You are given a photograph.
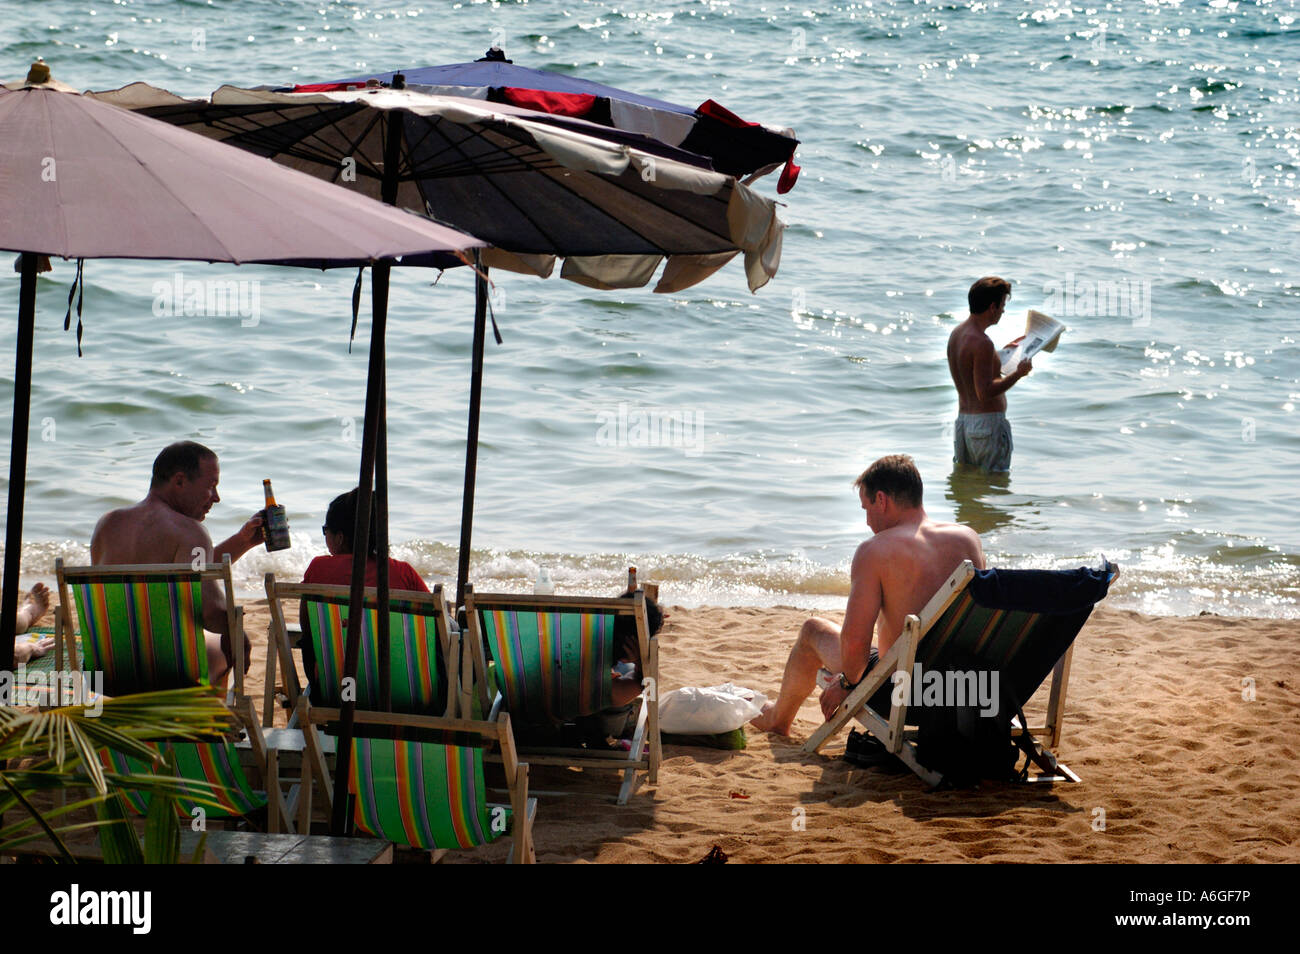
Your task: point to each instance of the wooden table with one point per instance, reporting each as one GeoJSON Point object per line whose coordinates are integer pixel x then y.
{"type": "Point", "coordinates": [237, 847]}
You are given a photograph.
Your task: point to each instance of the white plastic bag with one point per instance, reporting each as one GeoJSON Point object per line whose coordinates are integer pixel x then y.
{"type": "Point", "coordinates": [708, 711]}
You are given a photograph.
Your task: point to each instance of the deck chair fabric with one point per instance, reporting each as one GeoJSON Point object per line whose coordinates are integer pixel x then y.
{"type": "Point", "coordinates": [419, 645]}
{"type": "Point", "coordinates": [551, 666]}
{"type": "Point", "coordinates": [552, 658]}
{"type": "Point", "coordinates": [143, 627]}
{"type": "Point", "coordinates": [426, 794]}
{"type": "Point", "coordinates": [1021, 623]}
{"type": "Point", "coordinates": [392, 778]}
{"type": "Point", "coordinates": [143, 631]}
{"type": "Point", "coordinates": [227, 793]}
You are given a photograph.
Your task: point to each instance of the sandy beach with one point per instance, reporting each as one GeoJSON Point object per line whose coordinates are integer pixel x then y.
{"type": "Point", "coordinates": [1178, 762]}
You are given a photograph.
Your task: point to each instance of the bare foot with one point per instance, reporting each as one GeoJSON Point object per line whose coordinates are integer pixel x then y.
{"type": "Point", "coordinates": [28, 649]}
{"type": "Point", "coordinates": [36, 605]}
{"type": "Point", "coordinates": [766, 721]}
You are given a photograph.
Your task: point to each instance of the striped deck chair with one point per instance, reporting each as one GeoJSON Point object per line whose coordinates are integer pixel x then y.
{"type": "Point", "coordinates": [421, 680]}
{"type": "Point", "coordinates": [1021, 623]}
{"type": "Point", "coordinates": [217, 763]}
{"type": "Point", "coordinates": [431, 795]}
{"type": "Point", "coordinates": [142, 627]}
{"type": "Point", "coordinates": [419, 643]}
{"type": "Point", "coordinates": [553, 658]}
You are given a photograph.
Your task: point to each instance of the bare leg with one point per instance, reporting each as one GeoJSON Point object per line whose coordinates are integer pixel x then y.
{"type": "Point", "coordinates": [34, 607]}
{"type": "Point", "coordinates": [624, 691]}
{"type": "Point", "coordinates": [218, 665]}
{"type": "Point", "coordinates": [818, 645]}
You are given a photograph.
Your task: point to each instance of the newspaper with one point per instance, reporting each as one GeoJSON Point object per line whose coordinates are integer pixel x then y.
{"type": "Point", "coordinates": [1042, 333]}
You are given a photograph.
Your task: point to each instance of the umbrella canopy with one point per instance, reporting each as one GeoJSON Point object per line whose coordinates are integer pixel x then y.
{"type": "Point", "coordinates": [734, 146]}
{"type": "Point", "coordinates": [534, 190]}
{"type": "Point", "coordinates": [83, 179]}
{"type": "Point", "coordinates": [80, 178]}
{"type": "Point", "coordinates": [613, 204]}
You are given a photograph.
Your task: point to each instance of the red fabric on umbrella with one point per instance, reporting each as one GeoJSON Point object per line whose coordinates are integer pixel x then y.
{"type": "Point", "coordinates": [559, 104]}
{"type": "Point", "coordinates": [789, 172]}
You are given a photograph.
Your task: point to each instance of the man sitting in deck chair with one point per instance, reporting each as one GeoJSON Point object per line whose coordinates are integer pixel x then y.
{"type": "Point", "coordinates": [893, 575]}
{"type": "Point", "coordinates": [167, 527]}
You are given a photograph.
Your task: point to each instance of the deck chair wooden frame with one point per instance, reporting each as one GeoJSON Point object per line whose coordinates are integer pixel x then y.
{"type": "Point", "coordinates": [646, 751]}
{"type": "Point", "coordinates": [496, 732]}
{"type": "Point", "coordinates": [282, 651]}
{"type": "Point", "coordinates": [265, 761]}
{"type": "Point", "coordinates": [898, 737]}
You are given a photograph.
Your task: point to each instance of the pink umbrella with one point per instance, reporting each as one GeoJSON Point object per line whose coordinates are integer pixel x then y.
{"type": "Point", "coordinates": [83, 179]}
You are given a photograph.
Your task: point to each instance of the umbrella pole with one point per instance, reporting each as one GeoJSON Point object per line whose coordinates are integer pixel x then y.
{"type": "Point", "coordinates": [381, 539]}
{"type": "Point", "coordinates": [361, 541]}
{"type": "Point", "coordinates": [18, 459]}
{"type": "Point", "coordinates": [471, 439]}
{"type": "Point", "coordinates": [379, 303]}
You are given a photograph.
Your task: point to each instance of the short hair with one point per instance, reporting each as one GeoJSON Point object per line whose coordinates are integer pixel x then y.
{"type": "Point", "coordinates": [341, 517]}
{"type": "Point", "coordinates": [183, 457]}
{"type": "Point", "coordinates": [897, 476]}
{"type": "Point", "coordinates": [987, 292]}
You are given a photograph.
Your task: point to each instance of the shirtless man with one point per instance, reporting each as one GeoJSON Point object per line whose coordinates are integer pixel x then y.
{"type": "Point", "coordinates": [166, 527]}
{"type": "Point", "coordinates": [982, 436]}
{"type": "Point", "coordinates": [893, 575]}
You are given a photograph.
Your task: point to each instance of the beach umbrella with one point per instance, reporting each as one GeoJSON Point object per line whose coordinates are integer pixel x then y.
{"type": "Point", "coordinates": [733, 146]}
{"type": "Point", "coordinates": [614, 205]}
{"type": "Point", "coordinates": [84, 179]}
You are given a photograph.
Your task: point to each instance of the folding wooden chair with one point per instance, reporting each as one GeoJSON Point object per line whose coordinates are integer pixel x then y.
{"type": "Point", "coordinates": [553, 658]}
{"type": "Point", "coordinates": [142, 627]}
{"type": "Point", "coordinates": [1021, 623]}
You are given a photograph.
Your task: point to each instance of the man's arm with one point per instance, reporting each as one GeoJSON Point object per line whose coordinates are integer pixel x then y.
{"type": "Point", "coordinates": [865, 599]}
{"type": "Point", "coordinates": [989, 380]}
{"type": "Point", "coordinates": [241, 541]}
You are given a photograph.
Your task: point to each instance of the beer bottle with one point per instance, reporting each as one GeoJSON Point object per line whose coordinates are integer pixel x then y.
{"type": "Point", "coordinates": [275, 521]}
{"type": "Point", "coordinates": [631, 579]}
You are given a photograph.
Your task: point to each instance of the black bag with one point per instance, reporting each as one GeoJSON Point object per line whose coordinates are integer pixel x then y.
{"type": "Point", "coordinates": [961, 742]}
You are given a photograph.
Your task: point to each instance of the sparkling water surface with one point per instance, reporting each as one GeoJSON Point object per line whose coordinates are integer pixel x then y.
{"type": "Point", "coordinates": [1130, 167]}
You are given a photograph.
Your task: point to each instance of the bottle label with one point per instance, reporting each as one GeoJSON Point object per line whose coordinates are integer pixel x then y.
{"type": "Point", "coordinates": [275, 527]}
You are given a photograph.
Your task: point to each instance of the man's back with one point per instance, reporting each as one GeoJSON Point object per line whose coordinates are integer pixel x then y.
{"type": "Point", "coordinates": [912, 560]}
{"type": "Point", "coordinates": [148, 532]}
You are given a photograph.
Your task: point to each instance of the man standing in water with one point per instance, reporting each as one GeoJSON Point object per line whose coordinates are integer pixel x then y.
{"type": "Point", "coordinates": [167, 527]}
{"type": "Point", "coordinates": [893, 575]}
{"type": "Point", "coordinates": [982, 436]}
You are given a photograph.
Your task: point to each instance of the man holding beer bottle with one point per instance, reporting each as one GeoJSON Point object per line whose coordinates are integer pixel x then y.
{"type": "Point", "coordinates": [167, 527]}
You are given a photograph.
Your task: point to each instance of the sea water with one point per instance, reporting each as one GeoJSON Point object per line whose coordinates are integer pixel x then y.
{"type": "Point", "coordinates": [1130, 167]}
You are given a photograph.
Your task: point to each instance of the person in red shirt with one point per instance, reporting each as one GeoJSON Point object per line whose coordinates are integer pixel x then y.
{"type": "Point", "coordinates": [336, 568]}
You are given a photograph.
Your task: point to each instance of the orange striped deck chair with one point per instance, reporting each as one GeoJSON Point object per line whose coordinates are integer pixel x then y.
{"type": "Point", "coordinates": [142, 627]}
{"type": "Point", "coordinates": [553, 657]}
{"type": "Point", "coordinates": [1020, 623]}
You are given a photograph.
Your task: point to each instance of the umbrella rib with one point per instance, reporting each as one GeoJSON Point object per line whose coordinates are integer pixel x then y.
{"type": "Point", "coordinates": [480, 134]}
{"type": "Point", "coordinates": [322, 154]}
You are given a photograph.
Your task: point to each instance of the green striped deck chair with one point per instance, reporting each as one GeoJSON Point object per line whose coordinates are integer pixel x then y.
{"type": "Point", "coordinates": [431, 795]}
{"type": "Point", "coordinates": [142, 626]}
{"type": "Point", "coordinates": [1020, 623]}
{"type": "Point", "coordinates": [552, 660]}
{"type": "Point", "coordinates": [143, 629]}
{"type": "Point", "coordinates": [419, 647]}
{"type": "Point", "coordinates": [227, 793]}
